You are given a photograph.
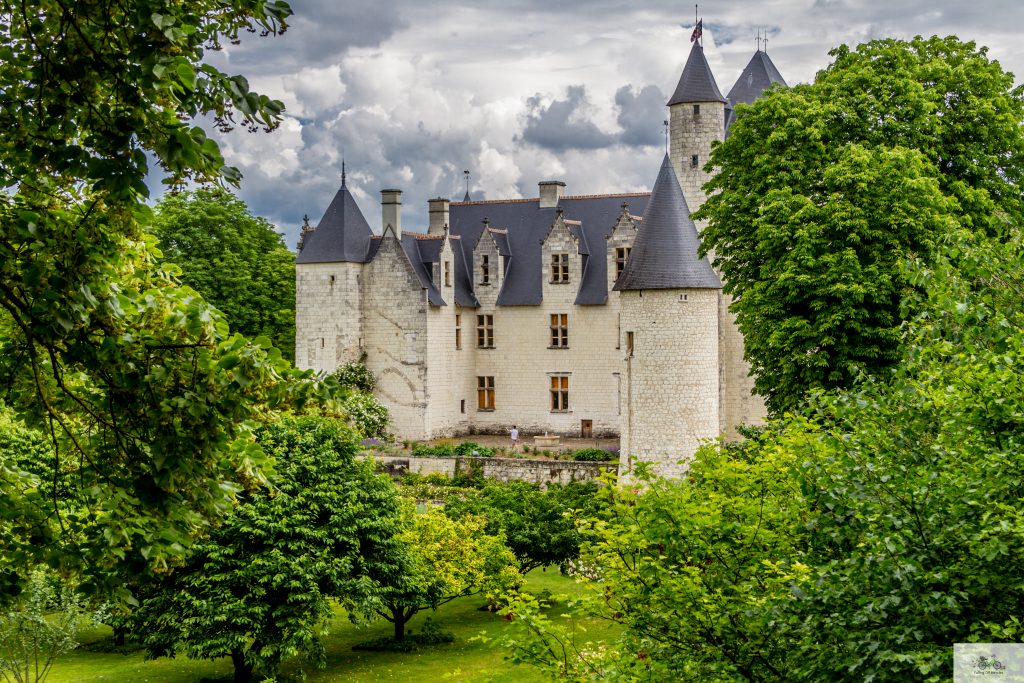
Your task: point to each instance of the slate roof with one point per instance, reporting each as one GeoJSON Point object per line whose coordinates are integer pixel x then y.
{"type": "Point", "coordinates": [664, 254]}
{"type": "Point", "coordinates": [423, 252]}
{"type": "Point", "coordinates": [343, 235]}
{"type": "Point", "coordinates": [697, 84]}
{"type": "Point", "coordinates": [526, 224]}
{"type": "Point", "coordinates": [757, 76]}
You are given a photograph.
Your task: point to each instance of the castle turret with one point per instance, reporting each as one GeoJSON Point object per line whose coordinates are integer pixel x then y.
{"type": "Point", "coordinates": [328, 324]}
{"type": "Point", "coordinates": [669, 312]}
{"type": "Point", "coordinates": [697, 118]}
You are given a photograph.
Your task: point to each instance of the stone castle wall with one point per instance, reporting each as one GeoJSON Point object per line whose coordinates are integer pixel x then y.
{"type": "Point", "coordinates": [395, 341]}
{"type": "Point", "coordinates": [328, 322]}
{"type": "Point", "coordinates": [541, 472]}
{"type": "Point", "coordinates": [692, 134]}
{"type": "Point", "coordinates": [671, 378]}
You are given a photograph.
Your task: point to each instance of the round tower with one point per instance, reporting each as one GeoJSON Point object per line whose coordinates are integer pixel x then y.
{"type": "Point", "coordinates": [669, 299]}
{"type": "Point", "coordinates": [697, 112]}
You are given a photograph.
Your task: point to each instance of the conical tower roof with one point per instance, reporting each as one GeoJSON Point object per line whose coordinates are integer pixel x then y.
{"type": "Point", "coordinates": [664, 254]}
{"type": "Point", "coordinates": [343, 235]}
{"type": "Point", "coordinates": [757, 76]}
{"type": "Point", "coordinates": [697, 84]}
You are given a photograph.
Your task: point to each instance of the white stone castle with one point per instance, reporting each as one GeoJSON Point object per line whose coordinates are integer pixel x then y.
{"type": "Point", "coordinates": [572, 315]}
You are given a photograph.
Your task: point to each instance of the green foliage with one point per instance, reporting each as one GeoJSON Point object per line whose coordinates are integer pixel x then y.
{"type": "Point", "coordinates": [258, 589]}
{"type": "Point", "coordinates": [238, 262]}
{"type": "Point", "coordinates": [446, 559]}
{"type": "Point", "coordinates": [823, 190]}
{"type": "Point", "coordinates": [464, 449]}
{"type": "Point", "coordinates": [859, 541]}
{"type": "Point", "coordinates": [593, 455]}
{"type": "Point", "coordinates": [540, 527]}
{"type": "Point", "coordinates": [148, 402]}
{"type": "Point", "coordinates": [356, 376]}
{"type": "Point", "coordinates": [368, 415]}
{"type": "Point", "coordinates": [40, 628]}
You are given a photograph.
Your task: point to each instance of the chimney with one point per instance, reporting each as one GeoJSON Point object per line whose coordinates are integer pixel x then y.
{"type": "Point", "coordinates": [391, 211]}
{"type": "Point", "coordinates": [550, 192]}
{"type": "Point", "coordinates": [438, 215]}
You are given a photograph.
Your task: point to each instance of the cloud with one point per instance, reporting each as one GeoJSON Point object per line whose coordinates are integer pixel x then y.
{"type": "Point", "coordinates": [519, 91]}
{"type": "Point", "coordinates": [563, 124]}
{"type": "Point", "coordinates": [641, 114]}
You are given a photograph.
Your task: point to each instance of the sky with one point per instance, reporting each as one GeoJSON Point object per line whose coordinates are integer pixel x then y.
{"type": "Point", "coordinates": [411, 93]}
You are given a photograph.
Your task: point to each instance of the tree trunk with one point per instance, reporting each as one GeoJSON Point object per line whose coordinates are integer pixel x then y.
{"type": "Point", "coordinates": [400, 618]}
{"type": "Point", "coordinates": [243, 671]}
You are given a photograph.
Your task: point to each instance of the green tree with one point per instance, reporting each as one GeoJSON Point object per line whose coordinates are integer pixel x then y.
{"type": "Point", "coordinates": [446, 559]}
{"type": "Point", "coordinates": [823, 190]}
{"type": "Point", "coordinates": [238, 262]}
{"type": "Point", "coordinates": [540, 527]}
{"type": "Point", "coordinates": [135, 380]}
{"type": "Point", "coordinates": [258, 589]}
{"type": "Point", "coordinates": [41, 627]}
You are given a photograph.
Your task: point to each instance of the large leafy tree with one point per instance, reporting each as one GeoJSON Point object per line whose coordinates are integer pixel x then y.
{"type": "Point", "coordinates": [822, 191]}
{"type": "Point", "coordinates": [147, 401]}
{"type": "Point", "coordinates": [237, 261]}
{"type": "Point", "coordinates": [258, 589]}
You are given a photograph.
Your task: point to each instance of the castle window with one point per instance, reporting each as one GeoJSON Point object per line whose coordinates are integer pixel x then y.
{"type": "Point", "coordinates": [694, 161]}
{"type": "Point", "coordinates": [629, 344]}
{"type": "Point", "coordinates": [485, 270]}
{"type": "Point", "coordinates": [458, 330]}
{"type": "Point", "coordinates": [559, 393]}
{"type": "Point", "coordinates": [447, 273]}
{"type": "Point", "coordinates": [621, 256]}
{"type": "Point", "coordinates": [559, 331]}
{"type": "Point", "coordinates": [696, 110]}
{"type": "Point", "coordinates": [559, 268]}
{"type": "Point", "coordinates": [485, 331]}
{"type": "Point", "coordinates": [485, 393]}
{"type": "Point", "coordinates": [462, 406]}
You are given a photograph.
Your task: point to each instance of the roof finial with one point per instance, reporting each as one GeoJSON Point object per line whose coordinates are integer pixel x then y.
{"type": "Point", "coordinates": [466, 198]}
{"type": "Point", "coordinates": [343, 169]}
{"type": "Point", "coordinates": [758, 39]}
{"type": "Point", "coordinates": [765, 41]}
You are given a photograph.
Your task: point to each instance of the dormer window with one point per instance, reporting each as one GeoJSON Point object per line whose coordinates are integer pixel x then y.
{"type": "Point", "coordinates": [559, 268]}
{"type": "Point", "coordinates": [485, 270]}
{"type": "Point", "coordinates": [621, 256]}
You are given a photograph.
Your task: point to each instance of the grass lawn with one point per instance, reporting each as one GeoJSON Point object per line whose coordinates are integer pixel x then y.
{"type": "Point", "coordinates": [459, 661]}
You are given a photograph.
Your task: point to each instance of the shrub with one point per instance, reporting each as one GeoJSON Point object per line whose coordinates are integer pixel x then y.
{"type": "Point", "coordinates": [592, 455]}
{"type": "Point", "coordinates": [367, 414]}
{"type": "Point", "coordinates": [356, 377]}
{"type": "Point", "coordinates": [474, 449]}
{"type": "Point", "coordinates": [422, 450]}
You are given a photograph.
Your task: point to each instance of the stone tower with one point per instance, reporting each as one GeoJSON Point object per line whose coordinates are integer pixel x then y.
{"type": "Point", "coordinates": [670, 310]}
{"type": "Point", "coordinates": [697, 112]}
{"type": "Point", "coordinates": [328, 301]}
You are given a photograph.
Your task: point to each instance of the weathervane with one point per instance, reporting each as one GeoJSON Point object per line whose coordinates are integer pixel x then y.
{"type": "Point", "coordinates": [466, 198]}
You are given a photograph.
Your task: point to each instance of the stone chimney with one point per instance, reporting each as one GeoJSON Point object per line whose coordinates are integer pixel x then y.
{"type": "Point", "coordinates": [391, 211]}
{"type": "Point", "coordinates": [550, 192]}
{"type": "Point", "coordinates": [438, 215]}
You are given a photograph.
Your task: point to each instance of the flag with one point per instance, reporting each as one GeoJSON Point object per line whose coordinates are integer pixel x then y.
{"type": "Point", "coordinates": [698, 31]}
